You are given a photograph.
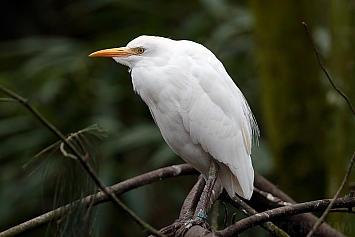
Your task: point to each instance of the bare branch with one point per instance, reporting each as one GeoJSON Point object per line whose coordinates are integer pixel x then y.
{"type": "Point", "coordinates": [294, 213]}
{"type": "Point", "coordinates": [81, 159]}
{"type": "Point", "coordinates": [8, 100]}
{"type": "Point", "coordinates": [178, 170]}
{"type": "Point", "coordinates": [100, 197]}
{"type": "Point", "coordinates": [247, 223]}
{"type": "Point", "coordinates": [294, 209]}
{"type": "Point", "coordinates": [326, 72]}
{"type": "Point", "coordinates": [347, 174]}
{"type": "Point", "coordinates": [249, 211]}
{"type": "Point", "coordinates": [294, 224]}
{"type": "Point", "coordinates": [300, 222]}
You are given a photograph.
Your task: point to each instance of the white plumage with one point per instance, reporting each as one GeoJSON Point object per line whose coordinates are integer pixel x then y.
{"type": "Point", "coordinates": [201, 113]}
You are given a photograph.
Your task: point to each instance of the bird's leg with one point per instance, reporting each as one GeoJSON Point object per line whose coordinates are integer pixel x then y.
{"type": "Point", "coordinates": [205, 200]}
{"type": "Point", "coordinates": [204, 203]}
{"type": "Point", "coordinates": [196, 205]}
{"type": "Point", "coordinates": [192, 199]}
{"type": "Point", "coordinates": [178, 228]}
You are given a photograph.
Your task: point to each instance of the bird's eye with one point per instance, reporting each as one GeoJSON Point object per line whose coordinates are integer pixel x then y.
{"type": "Point", "coordinates": [139, 50]}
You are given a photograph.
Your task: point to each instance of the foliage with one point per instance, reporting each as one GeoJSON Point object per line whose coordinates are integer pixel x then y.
{"type": "Point", "coordinates": [43, 54]}
{"type": "Point", "coordinates": [43, 57]}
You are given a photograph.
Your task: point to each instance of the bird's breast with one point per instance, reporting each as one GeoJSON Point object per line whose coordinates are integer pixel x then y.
{"type": "Point", "coordinates": [163, 96]}
{"type": "Point", "coordinates": [164, 93]}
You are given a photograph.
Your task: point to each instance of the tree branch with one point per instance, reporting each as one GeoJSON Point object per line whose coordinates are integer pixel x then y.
{"type": "Point", "coordinates": [347, 174]}
{"type": "Point", "coordinates": [185, 169]}
{"type": "Point", "coordinates": [295, 220]}
{"type": "Point", "coordinates": [100, 197]}
{"type": "Point", "coordinates": [273, 197]}
{"type": "Point", "coordinates": [325, 70]}
{"type": "Point", "coordinates": [249, 211]}
{"type": "Point", "coordinates": [81, 159]}
{"type": "Point", "coordinates": [270, 215]}
{"type": "Point", "coordinates": [318, 205]}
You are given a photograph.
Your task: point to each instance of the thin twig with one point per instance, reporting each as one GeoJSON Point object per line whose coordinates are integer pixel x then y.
{"type": "Point", "coordinates": [8, 100]}
{"type": "Point", "coordinates": [325, 70]}
{"type": "Point", "coordinates": [249, 211]}
{"type": "Point", "coordinates": [268, 196]}
{"type": "Point", "coordinates": [65, 153]}
{"type": "Point", "coordinates": [145, 226]}
{"type": "Point", "coordinates": [325, 213]}
{"type": "Point", "coordinates": [347, 174]}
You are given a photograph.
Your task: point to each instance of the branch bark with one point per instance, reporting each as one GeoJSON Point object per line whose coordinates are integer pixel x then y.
{"type": "Point", "coordinates": [277, 213]}
{"type": "Point", "coordinates": [318, 205]}
{"type": "Point", "coordinates": [298, 222]}
{"type": "Point", "coordinates": [292, 221]}
{"type": "Point", "coordinates": [295, 221]}
{"type": "Point", "coordinates": [100, 197]}
{"type": "Point", "coordinates": [81, 158]}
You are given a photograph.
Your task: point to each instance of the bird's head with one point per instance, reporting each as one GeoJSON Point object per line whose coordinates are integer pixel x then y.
{"type": "Point", "coordinates": [142, 50]}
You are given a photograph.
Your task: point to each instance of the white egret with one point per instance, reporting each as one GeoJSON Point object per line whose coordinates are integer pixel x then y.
{"type": "Point", "coordinates": [201, 113]}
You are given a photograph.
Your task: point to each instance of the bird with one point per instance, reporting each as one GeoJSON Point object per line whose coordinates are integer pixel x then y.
{"type": "Point", "coordinates": [201, 113]}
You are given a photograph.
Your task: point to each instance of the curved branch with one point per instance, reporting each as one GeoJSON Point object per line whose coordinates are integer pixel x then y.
{"type": "Point", "coordinates": [249, 211]}
{"type": "Point", "coordinates": [185, 169]}
{"type": "Point", "coordinates": [81, 158]}
{"type": "Point", "coordinates": [346, 98]}
{"type": "Point", "coordinates": [350, 166]}
{"type": "Point", "coordinates": [100, 197]}
{"type": "Point", "coordinates": [295, 223]}
{"type": "Point", "coordinates": [247, 223]}
{"type": "Point", "coordinates": [319, 205]}
{"type": "Point", "coordinates": [261, 202]}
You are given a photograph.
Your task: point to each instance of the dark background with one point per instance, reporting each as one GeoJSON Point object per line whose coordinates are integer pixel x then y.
{"type": "Point", "coordinates": [306, 128]}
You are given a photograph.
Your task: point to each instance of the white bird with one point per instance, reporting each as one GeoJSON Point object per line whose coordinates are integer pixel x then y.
{"type": "Point", "coordinates": [201, 113]}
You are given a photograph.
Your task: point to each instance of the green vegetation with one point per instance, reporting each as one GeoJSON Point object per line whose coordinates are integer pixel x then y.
{"type": "Point", "coordinates": [307, 132]}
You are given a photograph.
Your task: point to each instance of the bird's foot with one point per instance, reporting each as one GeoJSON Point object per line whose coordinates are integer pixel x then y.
{"type": "Point", "coordinates": [196, 221]}
{"type": "Point", "coordinates": [181, 226]}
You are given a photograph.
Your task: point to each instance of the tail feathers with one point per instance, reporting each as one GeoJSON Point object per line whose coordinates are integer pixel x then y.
{"type": "Point", "coordinates": [231, 183]}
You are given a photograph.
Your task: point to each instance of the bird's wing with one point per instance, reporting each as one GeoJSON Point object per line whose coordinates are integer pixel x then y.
{"type": "Point", "coordinates": [217, 116]}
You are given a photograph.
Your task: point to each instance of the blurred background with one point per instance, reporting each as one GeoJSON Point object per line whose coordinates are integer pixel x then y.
{"type": "Point", "coordinates": [307, 130]}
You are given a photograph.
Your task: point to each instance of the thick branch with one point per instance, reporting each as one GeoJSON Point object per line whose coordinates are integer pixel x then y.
{"type": "Point", "coordinates": [277, 213]}
{"type": "Point", "coordinates": [319, 205]}
{"type": "Point", "coordinates": [185, 169]}
{"type": "Point", "coordinates": [296, 224]}
{"type": "Point", "coordinates": [299, 222]}
{"type": "Point", "coordinates": [249, 211]}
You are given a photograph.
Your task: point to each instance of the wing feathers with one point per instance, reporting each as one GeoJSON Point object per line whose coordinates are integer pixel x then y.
{"type": "Point", "coordinates": [219, 120]}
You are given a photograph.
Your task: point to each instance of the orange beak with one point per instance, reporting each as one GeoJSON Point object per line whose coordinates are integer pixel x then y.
{"type": "Point", "coordinates": [114, 52]}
